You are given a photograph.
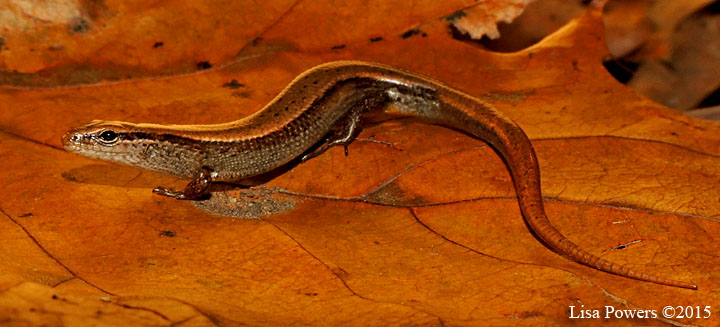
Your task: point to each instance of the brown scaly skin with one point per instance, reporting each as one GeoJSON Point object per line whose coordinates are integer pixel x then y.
{"type": "Point", "coordinates": [324, 105]}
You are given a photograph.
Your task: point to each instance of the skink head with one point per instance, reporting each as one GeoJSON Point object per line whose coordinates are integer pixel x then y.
{"type": "Point", "coordinates": [98, 139]}
{"type": "Point", "coordinates": [149, 146]}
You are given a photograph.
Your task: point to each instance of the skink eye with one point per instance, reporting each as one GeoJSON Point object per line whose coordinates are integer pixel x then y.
{"type": "Point", "coordinates": [108, 137]}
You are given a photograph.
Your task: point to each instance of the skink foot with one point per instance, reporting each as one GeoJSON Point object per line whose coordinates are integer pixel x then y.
{"type": "Point", "coordinates": [195, 190]}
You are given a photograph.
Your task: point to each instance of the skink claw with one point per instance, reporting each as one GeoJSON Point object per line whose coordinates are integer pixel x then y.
{"type": "Point", "coordinates": [169, 192]}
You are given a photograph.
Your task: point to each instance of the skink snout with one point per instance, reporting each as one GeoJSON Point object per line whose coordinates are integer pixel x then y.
{"type": "Point", "coordinates": [69, 137]}
{"type": "Point", "coordinates": [72, 138]}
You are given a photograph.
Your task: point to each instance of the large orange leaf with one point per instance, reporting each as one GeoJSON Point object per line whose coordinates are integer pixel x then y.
{"type": "Point", "coordinates": [418, 226]}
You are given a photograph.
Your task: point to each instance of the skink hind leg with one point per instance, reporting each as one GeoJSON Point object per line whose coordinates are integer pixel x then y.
{"type": "Point", "coordinates": [344, 134]}
{"type": "Point", "coordinates": [195, 190]}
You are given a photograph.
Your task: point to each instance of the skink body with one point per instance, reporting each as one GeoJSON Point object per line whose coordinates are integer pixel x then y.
{"type": "Point", "coordinates": [325, 104]}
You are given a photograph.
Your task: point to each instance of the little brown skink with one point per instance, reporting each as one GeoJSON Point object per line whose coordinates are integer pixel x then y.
{"type": "Point", "coordinates": [324, 106]}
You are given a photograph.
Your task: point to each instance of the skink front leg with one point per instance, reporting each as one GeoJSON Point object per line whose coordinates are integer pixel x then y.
{"type": "Point", "coordinates": [195, 190]}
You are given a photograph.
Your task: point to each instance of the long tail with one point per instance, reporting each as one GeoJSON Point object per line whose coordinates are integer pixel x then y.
{"type": "Point", "coordinates": [483, 121]}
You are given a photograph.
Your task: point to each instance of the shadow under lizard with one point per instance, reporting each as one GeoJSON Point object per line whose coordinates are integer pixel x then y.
{"type": "Point", "coordinates": [324, 106]}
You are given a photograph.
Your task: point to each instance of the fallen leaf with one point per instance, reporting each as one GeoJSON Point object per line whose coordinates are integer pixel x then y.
{"type": "Point", "coordinates": [666, 50]}
{"type": "Point", "coordinates": [419, 225]}
{"type": "Point", "coordinates": [482, 19]}
{"type": "Point", "coordinates": [690, 74]}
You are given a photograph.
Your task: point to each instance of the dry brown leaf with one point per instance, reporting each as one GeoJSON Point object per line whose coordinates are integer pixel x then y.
{"type": "Point", "coordinates": [482, 19]}
{"type": "Point", "coordinates": [671, 48]}
{"type": "Point", "coordinates": [627, 26]}
{"type": "Point", "coordinates": [31, 304]}
{"type": "Point", "coordinates": [538, 19]}
{"type": "Point", "coordinates": [426, 232]}
{"type": "Point", "coordinates": [692, 71]}
{"type": "Point", "coordinates": [666, 15]}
